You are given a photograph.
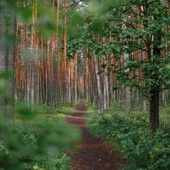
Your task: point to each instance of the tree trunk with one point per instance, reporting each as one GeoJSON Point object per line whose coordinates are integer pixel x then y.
{"type": "Point", "coordinates": [106, 90]}
{"type": "Point", "coordinates": [87, 79]}
{"type": "Point", "coordinates": [155, 89]}
{"type": "Point", "coordinates": [99, 89]}
{"type": "Point", "coordinates": [154, 109]}
{"type": "Point", "coordinates": [144, 105]}
{"type": "Point", "coordinates": [64, 53]}
{"type": "Point", "coordinates": [128, 106]}
{"type": "Point", "coordinates": [76, 79]}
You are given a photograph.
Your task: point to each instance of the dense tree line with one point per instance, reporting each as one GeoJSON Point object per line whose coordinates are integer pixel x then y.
{"type": "Point", "coordinates": [128, 44]}
{"type": "Point", "coordinates": [101, 50]}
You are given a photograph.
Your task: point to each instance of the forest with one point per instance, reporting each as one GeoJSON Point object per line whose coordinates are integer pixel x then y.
{"type": "Point", "coordinates": [70, 69]}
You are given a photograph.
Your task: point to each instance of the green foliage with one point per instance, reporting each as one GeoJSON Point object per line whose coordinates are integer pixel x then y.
{"type": "Point", "coordinates": [78, 17]}
{"type": "Point", "coordinates": [45, 24]}
{"type": "Point", "coordinates": [63, 162]}
{"type": "Point", "coordinates": [35, 137]}
{"type": "Point", "coordinates": [130, 134]}
{"type": "Point", "coordinates": [37, 142]}
{"type": "Point", "coordinates": [31, 139]}
{"type": "Point", "coordinates": [4, 92]}
{"type": "Point", "coordinates": [109, 18]}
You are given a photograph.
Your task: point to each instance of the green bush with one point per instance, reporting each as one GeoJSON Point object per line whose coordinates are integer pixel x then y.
{"type": "Point", "coordinates": [25, 145]}
{"type": "Point", "coordinates": [131, 134]}
{"type": "Point", "coordinates": [32, 140]}
{"type": "Point", "coordinates": [34, 137]}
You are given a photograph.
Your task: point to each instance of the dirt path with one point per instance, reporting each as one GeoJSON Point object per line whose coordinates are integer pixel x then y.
{"type": "Point", "coordinates": [93, 153]}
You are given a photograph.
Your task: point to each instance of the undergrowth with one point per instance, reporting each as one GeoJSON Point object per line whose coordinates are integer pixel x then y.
{"type": "Point", "coordinates": [132, 137]}
{"type": "Point", "coordinates": [36, 138]}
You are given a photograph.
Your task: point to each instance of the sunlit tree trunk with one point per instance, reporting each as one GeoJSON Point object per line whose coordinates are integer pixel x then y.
{"type": "Point", "coordinates": [32, 59]}
{"type": "Point", "coordinates": [64, 53]}
{"type": "Point", "coordinates": [36, 65]}
{"type": "Point", "coordinates": [56, 56]}
{"type": "Point", "coordinates": [76, 78]}
{"type": "Point", "coordinates": [69, 81]}
{"type": "Point", "coordinates": [87, 79]}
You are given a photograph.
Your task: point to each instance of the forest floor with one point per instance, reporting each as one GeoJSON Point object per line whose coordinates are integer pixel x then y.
{"type": "Point", "coordinates": [93, 153]}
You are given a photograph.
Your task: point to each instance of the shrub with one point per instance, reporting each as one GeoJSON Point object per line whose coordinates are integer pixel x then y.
{"type": "Point", "coordinates": [32, 140]}
{"type": "Point", "coordinates": [131, 134]}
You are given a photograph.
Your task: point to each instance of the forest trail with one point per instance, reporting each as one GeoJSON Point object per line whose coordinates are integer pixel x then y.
{"type": "Point", "coordinates": [93, 153]}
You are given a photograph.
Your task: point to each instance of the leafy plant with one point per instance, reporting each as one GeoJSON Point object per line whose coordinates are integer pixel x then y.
{"type": "Point", "coordinates": [130, 135]}
{"type": "Point", "coordinates": [34, 138]}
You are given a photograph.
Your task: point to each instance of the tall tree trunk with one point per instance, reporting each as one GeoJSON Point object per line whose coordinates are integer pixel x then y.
{"type": "Point", "coordinates": [99, 88]}
{"type": "Point", "coordinates": [87, 79]}
{"type": "Point", "coordinates": [76, 79]}
{"type": "Point", "coordinates": [106, 87]}
{"type": "Point", "coordinates": [155, 89]}
{"type": "Point", "coordinates": [128, 105]}
{"type": "Point", "coordinates": [64, 53]}
{"type": "Point", "coordinates": [144, 105]}
{"type": "Point", "coordinates": [154, 109]}
{"type": "Point", "coordinates": [56, 56]}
